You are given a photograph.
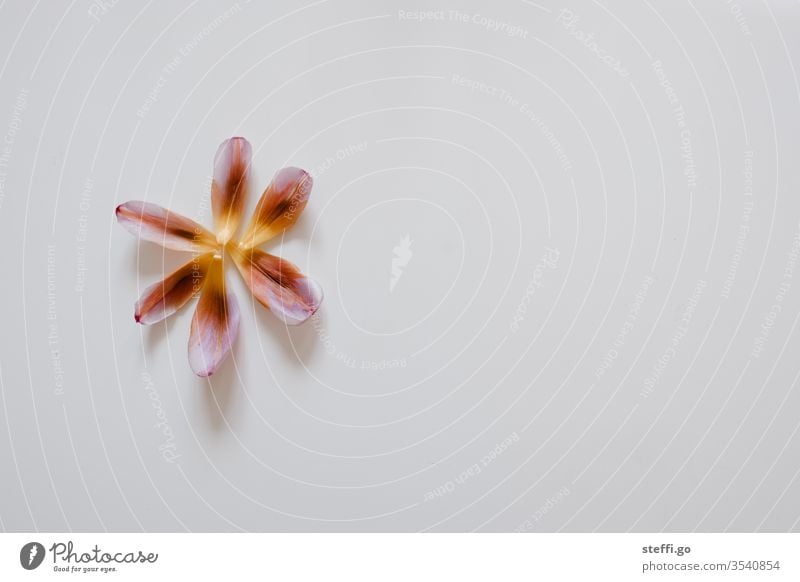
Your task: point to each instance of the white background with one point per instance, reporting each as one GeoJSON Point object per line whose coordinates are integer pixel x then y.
{"type": "Point", "coordinates": [399, 557]}
{"type": "Point", "coordinates": [596, 329]}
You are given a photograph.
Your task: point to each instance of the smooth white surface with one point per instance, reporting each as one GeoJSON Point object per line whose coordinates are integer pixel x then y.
{"type": "Point", "coordinates": [584, 315]}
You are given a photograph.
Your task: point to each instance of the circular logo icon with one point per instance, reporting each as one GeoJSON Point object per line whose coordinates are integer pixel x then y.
{"type": "Point", "coordinates": [31, 555]}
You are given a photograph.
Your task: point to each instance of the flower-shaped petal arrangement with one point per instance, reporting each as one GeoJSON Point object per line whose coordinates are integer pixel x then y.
{"type": "Point", "coordinates": [276, 283]}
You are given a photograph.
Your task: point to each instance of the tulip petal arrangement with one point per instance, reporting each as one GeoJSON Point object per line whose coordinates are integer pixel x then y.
{"type": "Point", "coordinates": [276, 283]}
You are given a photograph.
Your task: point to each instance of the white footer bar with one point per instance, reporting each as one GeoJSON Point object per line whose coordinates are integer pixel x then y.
{"type": "Point", "coordinates": [399, 557]}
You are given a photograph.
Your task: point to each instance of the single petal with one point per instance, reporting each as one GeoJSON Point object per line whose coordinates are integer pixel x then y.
{"type": "Point", "coordinates": [280, 205]}
{"type": "Point", "coordinates": [215, 323]}
{"type": "Point", "coordinates": [154, 223]}
{"type": "Point", "coordinates": [164, 298]}
{"type": "Point", "coordinates": [229, 186]}
{"type": "Point", "coordinates": [278, 285]}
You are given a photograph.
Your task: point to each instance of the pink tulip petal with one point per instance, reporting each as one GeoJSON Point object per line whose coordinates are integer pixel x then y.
{"type": "Point", "coordinates": [164, 298]}
{"type": "Point", "coordinates": [214, 325]}
{"type": "Point", "coordinates": [154, 223]}
{"type": "Point", "coordinates": [280, 205]}
{"type": "Point", "coordinates": [230, 184]}
{"type": "Point", "coordinates": [278, 285]}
